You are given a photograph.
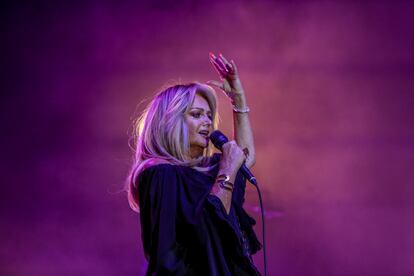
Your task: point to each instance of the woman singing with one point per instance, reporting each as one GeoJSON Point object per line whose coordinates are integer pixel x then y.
{"type": "Point", "coordinates": [190, 200]}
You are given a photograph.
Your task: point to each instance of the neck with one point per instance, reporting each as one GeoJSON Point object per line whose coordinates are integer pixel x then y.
{"type": "Point", "coordinates": [196, 152]}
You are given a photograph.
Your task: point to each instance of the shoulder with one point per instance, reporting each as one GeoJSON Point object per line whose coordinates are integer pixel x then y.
{"type": "Point", "coordinates": [156, 167]}
{"type": "Point", "coordinates": [154, 162]}
{"type": "Point", "coordinates": [158, 178]}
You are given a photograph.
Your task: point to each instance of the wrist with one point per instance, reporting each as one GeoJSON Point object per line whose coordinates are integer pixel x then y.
{"type": "Point", "coordinates": [245, 109]}
{"type": "Point", "coordinates": [223, 181]}
{"type": "Point", "coordinates": [239, 100]}
{"type": "Point", "coordinates": [224, 195]}
{"type": "Point", "coordinates": [231, 175]}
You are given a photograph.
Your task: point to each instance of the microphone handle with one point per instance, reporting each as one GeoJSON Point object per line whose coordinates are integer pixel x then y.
{"type": "Point", "coordinates": [248, 174]}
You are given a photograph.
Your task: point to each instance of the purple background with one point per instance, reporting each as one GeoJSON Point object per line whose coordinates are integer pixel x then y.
{"type": "Point", "coordinates": [330, 86]}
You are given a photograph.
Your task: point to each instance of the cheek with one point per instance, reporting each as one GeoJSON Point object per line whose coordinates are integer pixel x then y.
{"type": "Point", "coordinates": [191, 127]}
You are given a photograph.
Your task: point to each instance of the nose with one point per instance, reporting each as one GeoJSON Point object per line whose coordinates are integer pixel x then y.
{"type": "Point", "coordinates": [207, 121]}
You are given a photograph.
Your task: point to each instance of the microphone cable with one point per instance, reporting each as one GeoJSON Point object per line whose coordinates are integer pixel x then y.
{"type": "Point", "coordinates": [254, 182]}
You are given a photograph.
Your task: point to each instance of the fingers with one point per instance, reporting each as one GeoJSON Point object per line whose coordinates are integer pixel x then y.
{"type": "Point", "coordinates": [236, 71]}
{"type": "Point", "coordinates": [216, 63]}
{"type": "Point", "coordinates": [230, 144]}
{"type": "Point", "coordinates": [222, 63]}
{"type": "Point", "coordinates": [220, 68]}
{"type": "Point", "coordinates": [226, 63]}
{"type": "Point", "coordinates": [224, 68]}
{"type": "Point", "coordinates": [233, 148]}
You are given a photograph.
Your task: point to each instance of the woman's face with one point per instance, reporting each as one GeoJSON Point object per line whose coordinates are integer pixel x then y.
{"type": "Point", "coordinates": [199, 122]}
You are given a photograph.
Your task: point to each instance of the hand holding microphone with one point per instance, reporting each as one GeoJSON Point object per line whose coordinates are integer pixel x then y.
{"type": "Point", "coordinates": [232, 159]}
{"type": "Point", "coordinates": [234, 155]}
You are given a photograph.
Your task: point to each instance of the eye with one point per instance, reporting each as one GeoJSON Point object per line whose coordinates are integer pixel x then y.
{"type": "Point", "coordinates": [196, 114]}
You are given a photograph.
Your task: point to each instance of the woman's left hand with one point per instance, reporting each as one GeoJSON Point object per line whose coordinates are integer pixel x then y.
{"type": "Point", "coordinates": [231, 84]}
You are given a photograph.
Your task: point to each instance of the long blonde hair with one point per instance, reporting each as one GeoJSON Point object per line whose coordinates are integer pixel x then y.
{"type": "Point", "coordinates": [161, 133]}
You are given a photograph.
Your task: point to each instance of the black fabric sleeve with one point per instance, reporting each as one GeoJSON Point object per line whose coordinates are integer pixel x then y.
{"type": "Point", "coordinates": [158, 193]}
{"type": "Point", "coordinates": [245, 220]}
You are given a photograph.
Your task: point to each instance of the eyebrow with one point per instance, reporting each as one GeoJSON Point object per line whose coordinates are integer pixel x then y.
{"type": "Point", "coordinates": [202, 109]}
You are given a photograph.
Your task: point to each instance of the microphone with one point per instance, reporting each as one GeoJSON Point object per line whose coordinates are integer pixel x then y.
{"type": "Point", "coordinates": [219, 139]}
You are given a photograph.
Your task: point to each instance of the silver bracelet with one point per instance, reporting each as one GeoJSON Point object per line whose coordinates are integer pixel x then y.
{"type": "Point", "coordinates": [241, 110]}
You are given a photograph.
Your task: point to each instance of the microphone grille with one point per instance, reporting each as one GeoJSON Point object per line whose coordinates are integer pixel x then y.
{"type": "Point", "coordinates": [218, 139]}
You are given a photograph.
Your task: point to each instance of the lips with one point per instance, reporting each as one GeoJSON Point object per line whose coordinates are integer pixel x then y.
{"type": "Point", "coordinates": [204, 133]}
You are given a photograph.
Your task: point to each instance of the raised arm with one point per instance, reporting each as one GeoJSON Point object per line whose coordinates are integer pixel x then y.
{"type": "Point", "coordinates": [231, 85]}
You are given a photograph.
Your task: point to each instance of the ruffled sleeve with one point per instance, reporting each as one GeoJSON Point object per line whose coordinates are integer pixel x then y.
{"type": "Point", "coordinates": [238, 219]}
{"type": "Point", "coordinates": [158, 213]}
{"type": "Point", "coordinates": [245, 221]}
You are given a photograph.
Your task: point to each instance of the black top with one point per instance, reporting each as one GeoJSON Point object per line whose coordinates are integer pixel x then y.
{"type": "Point", "coordinates": [186, 231]}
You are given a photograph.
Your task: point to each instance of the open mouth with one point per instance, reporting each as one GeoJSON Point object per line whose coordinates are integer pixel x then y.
{"type": "Point", "coordinates": [204, 133]}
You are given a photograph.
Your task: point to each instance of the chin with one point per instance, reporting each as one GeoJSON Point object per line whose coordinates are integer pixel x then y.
{"type": "Point", "coordinates": [198, 148]}
{"type": "Point", "coordinates": [202, 143]}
